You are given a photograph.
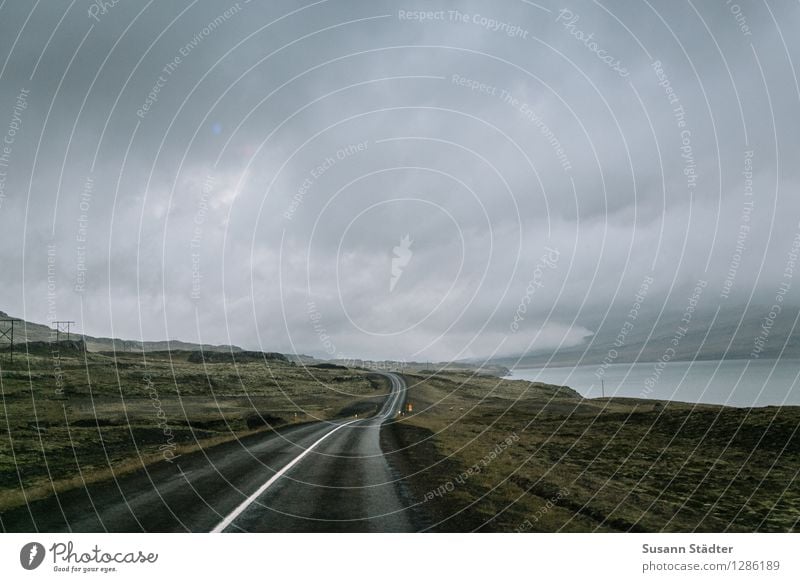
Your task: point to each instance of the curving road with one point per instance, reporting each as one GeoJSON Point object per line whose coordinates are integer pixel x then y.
{"type": "Point", "coordinates": [325, 476]}
{"type": "Point", "coordinates": [340, 482]}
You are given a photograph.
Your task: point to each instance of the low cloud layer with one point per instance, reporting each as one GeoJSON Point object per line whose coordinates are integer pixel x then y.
{"type": "Point", "coordinates": [365, 179]}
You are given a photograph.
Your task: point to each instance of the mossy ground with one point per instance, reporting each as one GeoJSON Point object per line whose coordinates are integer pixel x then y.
{"type": "Point", "coordinates": [107, 414]}
{"type": "Point", "coordinates": [593, 465]}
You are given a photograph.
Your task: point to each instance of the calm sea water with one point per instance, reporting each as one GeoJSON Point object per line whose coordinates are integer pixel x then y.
{"type": "Point", "coordinates": [731, 382]}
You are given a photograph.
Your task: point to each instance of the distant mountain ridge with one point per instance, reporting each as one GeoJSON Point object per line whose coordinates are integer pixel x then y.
{"type": "Point", "coordinates": [672, 339]}
{"type": "Point", "coordinates": [27, 331]}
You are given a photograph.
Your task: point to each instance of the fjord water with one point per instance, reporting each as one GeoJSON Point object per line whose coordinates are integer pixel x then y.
{"type": "Point", "coordinates": [743, 383]}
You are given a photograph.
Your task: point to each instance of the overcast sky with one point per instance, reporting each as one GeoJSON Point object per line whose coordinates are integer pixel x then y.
{"type": "Point", "coordinates": [247, 174]}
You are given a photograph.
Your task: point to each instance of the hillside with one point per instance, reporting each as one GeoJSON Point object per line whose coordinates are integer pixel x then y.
{"type": "Point", "coordinates": [730, 334]}
{"type": "Point", "coordinates": [28, 332]}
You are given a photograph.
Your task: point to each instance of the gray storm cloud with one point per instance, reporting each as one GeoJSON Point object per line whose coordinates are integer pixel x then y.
{"type": "Point", "coordinates": [242, 173]}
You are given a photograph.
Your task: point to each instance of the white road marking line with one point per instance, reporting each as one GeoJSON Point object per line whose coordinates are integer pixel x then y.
{"type": "Point", "coordinates": [247, 502]}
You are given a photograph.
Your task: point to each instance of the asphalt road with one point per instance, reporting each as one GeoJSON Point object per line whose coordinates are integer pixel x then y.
{"type": "Point", "coordinates": [319, 477]}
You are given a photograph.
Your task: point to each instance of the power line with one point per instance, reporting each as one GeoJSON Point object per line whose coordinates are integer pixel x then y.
{"type": "Point", "coordinates": [62, 326]}
{"type": "Point", "coordinates": [9, 333]}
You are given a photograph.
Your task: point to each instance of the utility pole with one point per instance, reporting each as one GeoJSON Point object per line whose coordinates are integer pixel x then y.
{"type": "Point", "coordinates": [62, 326]}
{"type": "Point", "coordinates": [9, 333]}
{"type": "Point", "coordinates": [603, 387]}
